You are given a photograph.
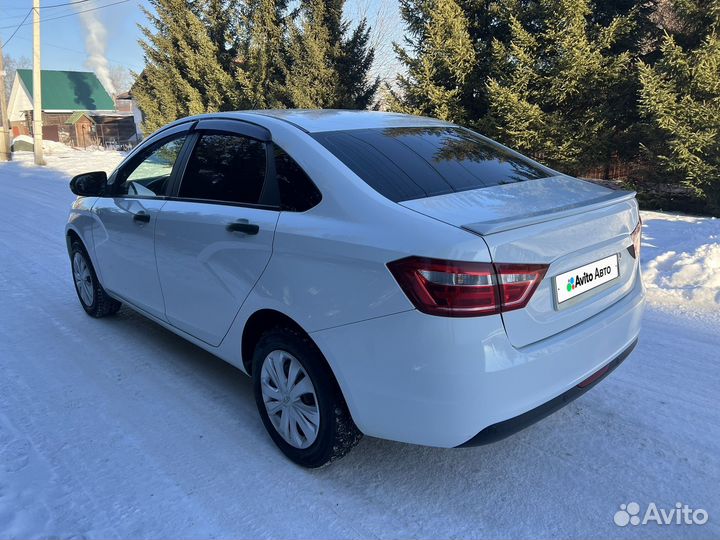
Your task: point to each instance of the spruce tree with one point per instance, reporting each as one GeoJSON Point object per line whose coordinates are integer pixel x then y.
{"type": "Point", "coordinates": [488, 21]}
{"type": "Point", "coordinates": [220, 18]}
{"type": "Point", "coordinates": [264, 53]}
{"type": "Point", "coordinates": [184, 72]}
{"type": "Point", "coordinates": [639, 33]}
{"type": "Point", "coordinates": [556, 86]}
{"type": "Point", "coordinates": [680, 97]}
{"type": "Point", "coordinates": [356, 89]}
{"type": "Point", "coordinates": [311, 80]}
{"type": "Point", "coordinates": [439, 59]}
{"type": "Point", "coordinates": [485, 21]}
{"type": "Point", "coordinates": [328, 64]}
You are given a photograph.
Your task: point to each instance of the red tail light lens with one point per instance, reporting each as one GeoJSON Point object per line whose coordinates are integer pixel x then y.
{"type": "Point", "coordinates": [518, 283]}
{"type": "Point", "coordinates": [466, 289]}
{"type": "Point", "coordinates": [636, 236]}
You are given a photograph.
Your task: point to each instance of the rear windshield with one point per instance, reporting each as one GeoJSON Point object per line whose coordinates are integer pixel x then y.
{"type": "Point", "coordinates": [412, 163]}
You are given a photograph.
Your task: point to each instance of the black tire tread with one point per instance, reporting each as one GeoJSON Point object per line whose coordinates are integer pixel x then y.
{"type": "Point", "coordinates": [346, 434]}
{"type": "Point", "coordinates": [103, 304]}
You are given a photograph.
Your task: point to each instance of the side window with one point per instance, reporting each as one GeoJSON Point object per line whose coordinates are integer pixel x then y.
{"type": "Point", "coordinates": [225, 167]}
{"type": "Point", "coordinates": [297, 191]}
{"type": "Point", "coordinates": [149, 174]}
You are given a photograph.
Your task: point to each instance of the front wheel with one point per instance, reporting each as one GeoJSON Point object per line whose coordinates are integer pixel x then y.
{"type": "Point", "coordinates": [298, 400]}
{"type": "Point", "coordinates": [93, 298]}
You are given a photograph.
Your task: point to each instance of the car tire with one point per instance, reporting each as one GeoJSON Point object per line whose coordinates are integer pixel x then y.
{"type": "Point", "coordinates": [93, 298]}
{"type": "Point", "coordinates": [294, 407]}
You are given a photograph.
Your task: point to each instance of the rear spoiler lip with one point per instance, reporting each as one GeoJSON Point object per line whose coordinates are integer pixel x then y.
{"type": "Point", "coordinates": [493, 226]}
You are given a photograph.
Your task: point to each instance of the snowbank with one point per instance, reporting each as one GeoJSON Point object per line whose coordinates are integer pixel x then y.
{"type": "Point", "coordinates": [49, 147]}
{"type": "Point", "coordinates": [681, 262]}
{"type": "Point", "coordinates": [70, 161]}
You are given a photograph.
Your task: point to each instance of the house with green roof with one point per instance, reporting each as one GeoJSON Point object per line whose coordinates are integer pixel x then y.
{"type": "Point", "coordinates": [76, 109]}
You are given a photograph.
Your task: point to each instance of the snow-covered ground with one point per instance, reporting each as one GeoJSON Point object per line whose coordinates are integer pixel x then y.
{"type": "Point", "coordinates": [117, 428]}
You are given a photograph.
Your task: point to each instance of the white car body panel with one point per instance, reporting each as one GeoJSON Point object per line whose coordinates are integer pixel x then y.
{"type": "Point", "coordinates": [206, 271]}
{"type": "Point", "coordinates": [508, 201]}
{"type": "Point", "coordinates": [444, 380]}
{"type": "Point", "coordinates": [125, 251]}
{"type": "Point", "coordinates": [405, 375]}
{"type": "Point", "coordinates": [564, 243]}
{"type": "Point", "coordinates": [315, 121]}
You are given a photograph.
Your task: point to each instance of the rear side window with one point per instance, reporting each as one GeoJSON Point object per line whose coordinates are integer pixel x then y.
{"type": "Point", "coordinates": [297, 191]}
{"type": "Point", "coordinates": [412, 163]}
{"type": "Point", "coordinates": [225, 167]}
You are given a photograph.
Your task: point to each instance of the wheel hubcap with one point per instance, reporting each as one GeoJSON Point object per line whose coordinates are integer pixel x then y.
{"type": "Point", "coordinates": [83, 279]}
{"type": "Point", "coordinates": [290, 400]}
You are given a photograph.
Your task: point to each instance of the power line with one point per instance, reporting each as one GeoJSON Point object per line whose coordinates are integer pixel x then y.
{"type": "Point", "coordinates": [14, 8]}
{"type": "Point", "coordinates": [68, 15]}
{"type": "Point", "coordinates": [68, 8]}
{"type": "Point", "coordinates": [65, 4]}
{"type": "Point", "coordinates": [17, 28]}
{"type": "Point", "coordinates": [47, 7]}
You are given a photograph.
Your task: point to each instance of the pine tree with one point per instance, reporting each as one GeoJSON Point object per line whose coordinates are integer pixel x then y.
{"type": "Point", "coordinates": [556, 85]}
{"type": "Point", "coordinates": [680, 97]}
{"type": "Point", "coordinates": [353, 63]}
{"type": "Point", "coordinates": [184, 72]}
{"type": "Point", "coordinates": [311, 79]}
{"type": "Point", "coordinates": [265, 51]}
{"type": "Point", "coordinates": [439, 59]}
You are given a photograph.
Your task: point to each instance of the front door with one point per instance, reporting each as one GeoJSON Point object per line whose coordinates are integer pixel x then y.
{"type": "Point", "coordinates": [214, 238]}
{"type": "Point", "coordinates": [124, 237]}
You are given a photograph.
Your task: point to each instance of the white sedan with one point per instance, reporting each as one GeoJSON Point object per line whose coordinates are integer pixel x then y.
{"type": "Point", "coordinates": [375, 273]}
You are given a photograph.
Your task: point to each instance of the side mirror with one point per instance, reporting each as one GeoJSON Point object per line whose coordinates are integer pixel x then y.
{"type": "Point", "coordinates": [90, 184]}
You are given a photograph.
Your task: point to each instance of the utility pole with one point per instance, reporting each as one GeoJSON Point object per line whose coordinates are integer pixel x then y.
{"type": "Point", "coordinates": [37, 87]}
{"type": "Point", "coordinates": [5, 154]}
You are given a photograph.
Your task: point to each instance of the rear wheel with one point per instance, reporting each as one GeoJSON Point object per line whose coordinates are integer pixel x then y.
{"type": "Point", "coordinates": [93, 298]}
{"type": "Point", "coordinates": [298, 400]}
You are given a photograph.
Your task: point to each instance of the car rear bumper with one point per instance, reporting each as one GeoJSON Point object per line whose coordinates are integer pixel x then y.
{"type": "Point", "coordinates": [441, 381]}
{"type": "Point", "coordinates": [501, 430]}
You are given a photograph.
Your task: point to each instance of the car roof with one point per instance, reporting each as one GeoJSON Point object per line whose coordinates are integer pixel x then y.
{"type": "Point", "coordinates": [317, 120]}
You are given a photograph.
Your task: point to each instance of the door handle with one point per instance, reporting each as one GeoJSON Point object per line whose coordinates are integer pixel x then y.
{"type": "Point", "coordinates": [142, 217]}
{"type": "Point", "coordinates": [243, 226]}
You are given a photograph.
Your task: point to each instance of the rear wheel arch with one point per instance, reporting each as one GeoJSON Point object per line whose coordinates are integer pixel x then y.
{"type": "Point", "coordinates": [266, 319]}
{"type": "Point", "coordinates": [267, 334]}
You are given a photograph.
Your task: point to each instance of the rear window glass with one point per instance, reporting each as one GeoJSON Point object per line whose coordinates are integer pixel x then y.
{"type": "Point", "coordinates": [412, 163]}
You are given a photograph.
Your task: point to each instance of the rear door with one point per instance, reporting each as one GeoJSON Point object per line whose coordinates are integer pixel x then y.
{"type": "Point", "coordinates": [214, 236]}
{"type": "Point", "coordinates": [125, 229]}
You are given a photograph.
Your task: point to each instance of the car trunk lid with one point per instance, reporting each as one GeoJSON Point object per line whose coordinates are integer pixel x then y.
{"type": "Point", "coordinates": [560, 221]}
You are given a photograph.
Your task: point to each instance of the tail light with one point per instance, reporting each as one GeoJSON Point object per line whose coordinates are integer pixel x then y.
{"type": "Point", "coordinates": [636, 236]}
{"type": "Point", "coordinates": [466, 289]}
